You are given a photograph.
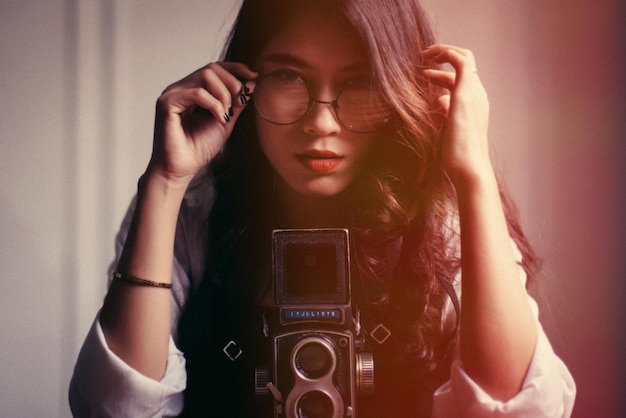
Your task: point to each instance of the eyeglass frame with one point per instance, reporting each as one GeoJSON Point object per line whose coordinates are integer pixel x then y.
{"type": "Point", "coordinates": [334, 104]}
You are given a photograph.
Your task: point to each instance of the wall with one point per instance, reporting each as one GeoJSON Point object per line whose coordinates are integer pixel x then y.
{"type": "Point", "coordinates": [33, 231]}
{"type": "Point", "coordinates": [79, 79]}
{"type": "Point", "coordinates": [554, 72]}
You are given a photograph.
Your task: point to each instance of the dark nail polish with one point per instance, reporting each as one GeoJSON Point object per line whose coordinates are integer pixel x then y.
{"type": "Point", "coordinates": [231, 112]}
{"type": "Point", "coordinates": [243, 99]}
{"type": "Point", "coordinates": [226, 117]}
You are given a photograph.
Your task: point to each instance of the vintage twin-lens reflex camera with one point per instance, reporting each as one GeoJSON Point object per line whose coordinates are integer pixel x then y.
{"type": "Point", "coordinates": [318, 367]}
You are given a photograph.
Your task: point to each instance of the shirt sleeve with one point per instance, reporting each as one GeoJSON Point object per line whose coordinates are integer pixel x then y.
{"type": "Point", "coordinates": [103, 385]}
{"type": "Point", "coordinates": [548, 389]}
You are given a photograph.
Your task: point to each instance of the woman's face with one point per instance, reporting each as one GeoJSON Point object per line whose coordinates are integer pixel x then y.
{"type": "Point", "coordinates": [315, 156]}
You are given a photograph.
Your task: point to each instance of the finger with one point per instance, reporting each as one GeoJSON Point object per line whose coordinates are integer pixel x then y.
{"type": "Point", "coordinates": [441, 46]}
{"type": "Point", "coordinates": [217, 88]}
{"type": "Point", "coordinates": [225, 87]}
{"type": "Point", "coordinates": [239, 70]}
{"type": "Point", "coordinates": [445, 79]}
{"type": "Point", "coordinates": [180, 102]}
{"type": "Point", "coordinates": [437, 49]}
{"type": "Point", "coordinates": [247, 90]}
{"type": "Point", "coordinates": [221, 85]}
{"type": "Point", "coordinates": [242, 89]}
{"type": "Point", "coordinates": [462, 60]}
{"type": "Point", "coordinates": [237, 80]}
{"type": "Point", "coordinates": [230, 73]}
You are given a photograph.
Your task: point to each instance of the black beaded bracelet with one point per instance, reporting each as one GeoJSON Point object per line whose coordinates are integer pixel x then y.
{"type": "Point", "coordinates": [143, 282]}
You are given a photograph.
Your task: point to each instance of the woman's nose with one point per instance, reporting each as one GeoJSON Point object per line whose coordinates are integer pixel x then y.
{"type": "Point", "coordinates": [321, 120]}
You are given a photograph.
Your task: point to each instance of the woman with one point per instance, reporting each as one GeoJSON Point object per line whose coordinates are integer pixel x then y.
{"type": "Point", "coordinates": [324, 114]}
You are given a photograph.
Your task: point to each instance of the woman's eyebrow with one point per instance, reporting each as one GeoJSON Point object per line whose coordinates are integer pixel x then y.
{"type": "Point", "coordinates": [281, 58]}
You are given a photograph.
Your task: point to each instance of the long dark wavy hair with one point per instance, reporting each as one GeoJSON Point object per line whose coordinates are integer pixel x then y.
{"type": "Point", "coordinates": [403, 203]}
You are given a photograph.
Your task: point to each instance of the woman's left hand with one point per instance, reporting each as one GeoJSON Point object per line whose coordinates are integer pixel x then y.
{"type": "Point", "coordinates": [465, 149]}
{"type": "Point", "coordinates": [498, 329]}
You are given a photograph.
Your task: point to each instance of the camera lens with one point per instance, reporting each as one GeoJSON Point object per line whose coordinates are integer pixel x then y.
{"type": "Point", "coordinates": [315, 404]}
{"type": "Point", "coordinates": [314, 360]}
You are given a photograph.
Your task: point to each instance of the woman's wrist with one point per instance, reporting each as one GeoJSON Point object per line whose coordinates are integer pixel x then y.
{"type": "Point", "coordinates": [160, 185]}
{"type": "Point", "coordinates": [165, 177]}
{"type": "Point", "coordinates": [474, 183]}
{"type": "Point", "coordinates": [150, 241]}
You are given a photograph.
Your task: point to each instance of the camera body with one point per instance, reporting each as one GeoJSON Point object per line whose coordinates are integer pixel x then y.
{"type": "Point", "coordinates": [317, 368]}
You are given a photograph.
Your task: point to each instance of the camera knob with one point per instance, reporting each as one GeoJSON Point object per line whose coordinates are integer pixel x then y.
{"type": "Point", "coordinates": [365, 373]}
{"type": "Point", "coordinates": [261, 379]}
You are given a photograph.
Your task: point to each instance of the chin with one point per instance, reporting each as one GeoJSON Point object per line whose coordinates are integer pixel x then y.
{"type": "Point", "coordinates": [320, 188]}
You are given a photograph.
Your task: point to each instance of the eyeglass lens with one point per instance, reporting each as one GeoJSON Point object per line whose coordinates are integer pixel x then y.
{"type": "Point", "coordinates": [284, 99]}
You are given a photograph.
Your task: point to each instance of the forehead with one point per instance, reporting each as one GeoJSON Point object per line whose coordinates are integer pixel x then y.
{"type": "Point", "coordinates": [317, 39]}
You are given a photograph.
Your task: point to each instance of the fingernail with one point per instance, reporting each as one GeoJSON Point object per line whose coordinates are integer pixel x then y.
{"type": "Point", "coordinates": [231, 112]}
{"type": "Point", "coordinates": [226, 117]}
{"type": "Point", "coordinates": [243, 99]}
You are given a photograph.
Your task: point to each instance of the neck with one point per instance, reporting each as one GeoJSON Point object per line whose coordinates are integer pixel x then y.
{"type": "Point", "coordinates": [300, 211]}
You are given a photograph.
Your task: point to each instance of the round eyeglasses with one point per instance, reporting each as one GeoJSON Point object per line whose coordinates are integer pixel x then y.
{"type": "Point", "coordinates": [283, 98]}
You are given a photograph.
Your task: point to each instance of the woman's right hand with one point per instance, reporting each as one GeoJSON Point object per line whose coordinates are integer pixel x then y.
{"type": "Point", "coordinates": [194, 118]}
{"type": "Point", "coordinates": [190, 130]}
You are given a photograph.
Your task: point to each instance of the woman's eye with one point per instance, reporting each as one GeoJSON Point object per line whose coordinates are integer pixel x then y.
{"type": "Point", "coordinates": [287, 75]}
{"type": "Point", "coordinates": [361, 81]}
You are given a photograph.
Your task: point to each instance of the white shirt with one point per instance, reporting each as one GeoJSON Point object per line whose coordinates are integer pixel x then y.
{"type": "Point", "coordinates": [103, 385]}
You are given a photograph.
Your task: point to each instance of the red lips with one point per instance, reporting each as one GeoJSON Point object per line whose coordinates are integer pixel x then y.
{"type": "Point", "coordinates": [320, 161]}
